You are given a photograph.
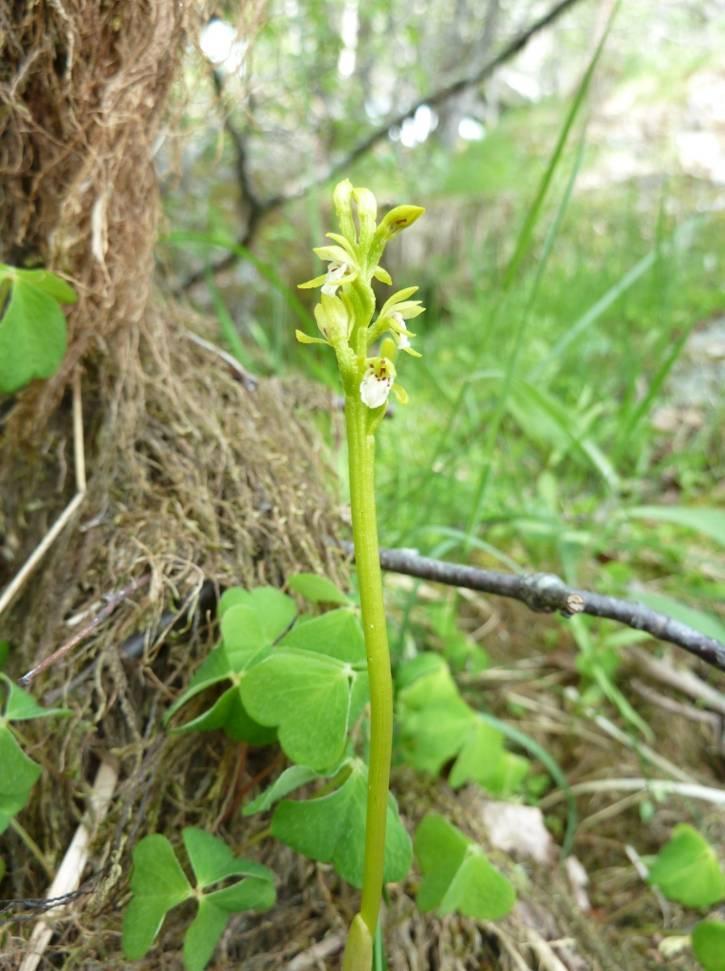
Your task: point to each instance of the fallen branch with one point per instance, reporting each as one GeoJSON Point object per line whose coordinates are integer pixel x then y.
{"type": "Point", "coordinates": [681, 679]}
{"type": "Point", "coordinates": [260, 208]}
{"type": "Point", "coordinates": [541, 592]}
{"type": "Point", "coordinates": [253, 207]}
{"type": "Point", "coordinates": [547, 593]}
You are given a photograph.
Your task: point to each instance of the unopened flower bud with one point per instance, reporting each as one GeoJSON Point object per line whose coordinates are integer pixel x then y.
{"type": "Point", "coordinates": [367, 213]}
{"type": "Point", "coordinates": [392, 223]}
{"type": "Point", "coordinates": [342, 197]}
{"type": "Point", "coordinates": [332, 318]}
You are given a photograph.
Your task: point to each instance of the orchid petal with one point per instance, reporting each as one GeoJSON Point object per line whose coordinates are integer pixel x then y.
{"type": "Point", "coordinates": [310, 284]}
{"type": "Point", "coordinates": [332, 254]}
{"type": "Point", "coordinates": [306, 339]}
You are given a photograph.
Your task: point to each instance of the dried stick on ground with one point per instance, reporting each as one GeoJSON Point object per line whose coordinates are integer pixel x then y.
{"type": "Point", "coordinates": [69, 874]}
{"type": "Point", "coordinates": [546, 593]}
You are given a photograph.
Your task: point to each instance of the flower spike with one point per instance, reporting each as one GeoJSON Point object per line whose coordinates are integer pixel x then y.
{"type": "Point", "coordinates": [345, 313]}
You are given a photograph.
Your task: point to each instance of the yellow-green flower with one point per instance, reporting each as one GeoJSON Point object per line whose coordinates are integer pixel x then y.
{"type": "Point", "coordinates": [342, 268]}
{"type": "Point", "coordinates": [333, 320]}
{"type": "Point", "coordinates": [392, 317]}
{"type": "Point", "coordinates": [345, 312]}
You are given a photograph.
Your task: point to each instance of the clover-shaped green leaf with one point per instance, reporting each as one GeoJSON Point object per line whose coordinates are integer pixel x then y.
{"type": "Point", "coordinates": [251, 622]}
{"type": "Point", "coordinates": [18, 772]}
{"type": "Point", "coordinates": [19, 775]}
{"type": "Point", "coordinates": [331, 829]}
{"type": "Point", "coordinates": [21, 706]}
{"type": "Point", "coordinates": [312, 698]}
{"type": "Point", "coordinates": [687, 870]}
{"type": "Point", "coordinates": [708, 943]}
{"type": "Point", "coordinates": [32, 328]}
{"type": "Point", "coordinates": [337, 633]}
{"type": "Point", "coordinates": [159, 884]}
{"type": "Point", "coordinates": [483, 759]}
{"type": "Point", "coordinates": [457, 875]}
{"type": "Point", "coordinates": [436, 726]}
{"type": "Point", "coordinates": [317, 589]}
{"type": "Point", "coordinates": [433, 718]}
{"type": "Point", "coordinates": [274, 609]}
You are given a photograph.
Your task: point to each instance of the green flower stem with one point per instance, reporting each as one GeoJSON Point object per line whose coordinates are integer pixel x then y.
{"type": "Point", "coordinates": [345, 323]}
{"type": "Point", "coordinates": [361, 458]}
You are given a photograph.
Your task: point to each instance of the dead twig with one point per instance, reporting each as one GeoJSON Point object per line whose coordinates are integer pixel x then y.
{"type": "Point", "coordinates": [247, 379]}
{"type": "Point", "coordinates": [318, 952]}
{"type": "Point", "coordinates": [654, 787]}
{"type": "Point", "coordinates": [681, 679]}
{"type": "Point", "coordinates": [547, 593]}
{"type": "Point", "coordinates": [655, 697]}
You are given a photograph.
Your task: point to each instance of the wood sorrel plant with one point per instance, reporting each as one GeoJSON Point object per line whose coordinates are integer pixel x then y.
{"type": "Point", "coordinates": [366, 344]}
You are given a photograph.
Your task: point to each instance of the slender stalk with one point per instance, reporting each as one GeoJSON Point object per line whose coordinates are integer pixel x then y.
{"type": "Point", "coordinates": [344, 317]}
{"type": "Point", "coordinates": [361, 457]}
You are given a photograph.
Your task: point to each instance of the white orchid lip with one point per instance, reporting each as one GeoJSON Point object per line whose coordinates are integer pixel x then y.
{"type": "Point", "coordinates": [333, 279]}
{"type": "Point", "coordinates": [377, 382]}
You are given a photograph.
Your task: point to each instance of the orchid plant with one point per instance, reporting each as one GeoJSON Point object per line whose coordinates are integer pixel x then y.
{"type": "Point", "coordinates": [366, 345]}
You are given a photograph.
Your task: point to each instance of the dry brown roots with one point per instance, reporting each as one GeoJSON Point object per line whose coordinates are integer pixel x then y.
{"type": "Point", "coordinates": [192, 476]}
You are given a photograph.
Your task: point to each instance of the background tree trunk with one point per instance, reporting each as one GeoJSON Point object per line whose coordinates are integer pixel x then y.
{"type": "Point", "coordinates": [84, 87]}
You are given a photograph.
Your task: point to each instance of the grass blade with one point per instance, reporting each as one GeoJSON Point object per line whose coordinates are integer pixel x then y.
{"type": "Point", "coordinates": [680, 238]}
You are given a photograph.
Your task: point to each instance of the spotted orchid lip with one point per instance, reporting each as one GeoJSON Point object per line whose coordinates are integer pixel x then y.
{"type": "Point", "coordinates": [377, 382]}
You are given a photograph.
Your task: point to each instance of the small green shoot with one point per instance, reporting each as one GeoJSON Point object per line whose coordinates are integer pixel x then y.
{"type": "Point", "coordinates": [457, 875]}
{"type": "Point", "coordinates": [159, 884]}
{"type": "Point", "coordinates": [687, 870]}
{"type": "Point", "coordinates": [33, 335]}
